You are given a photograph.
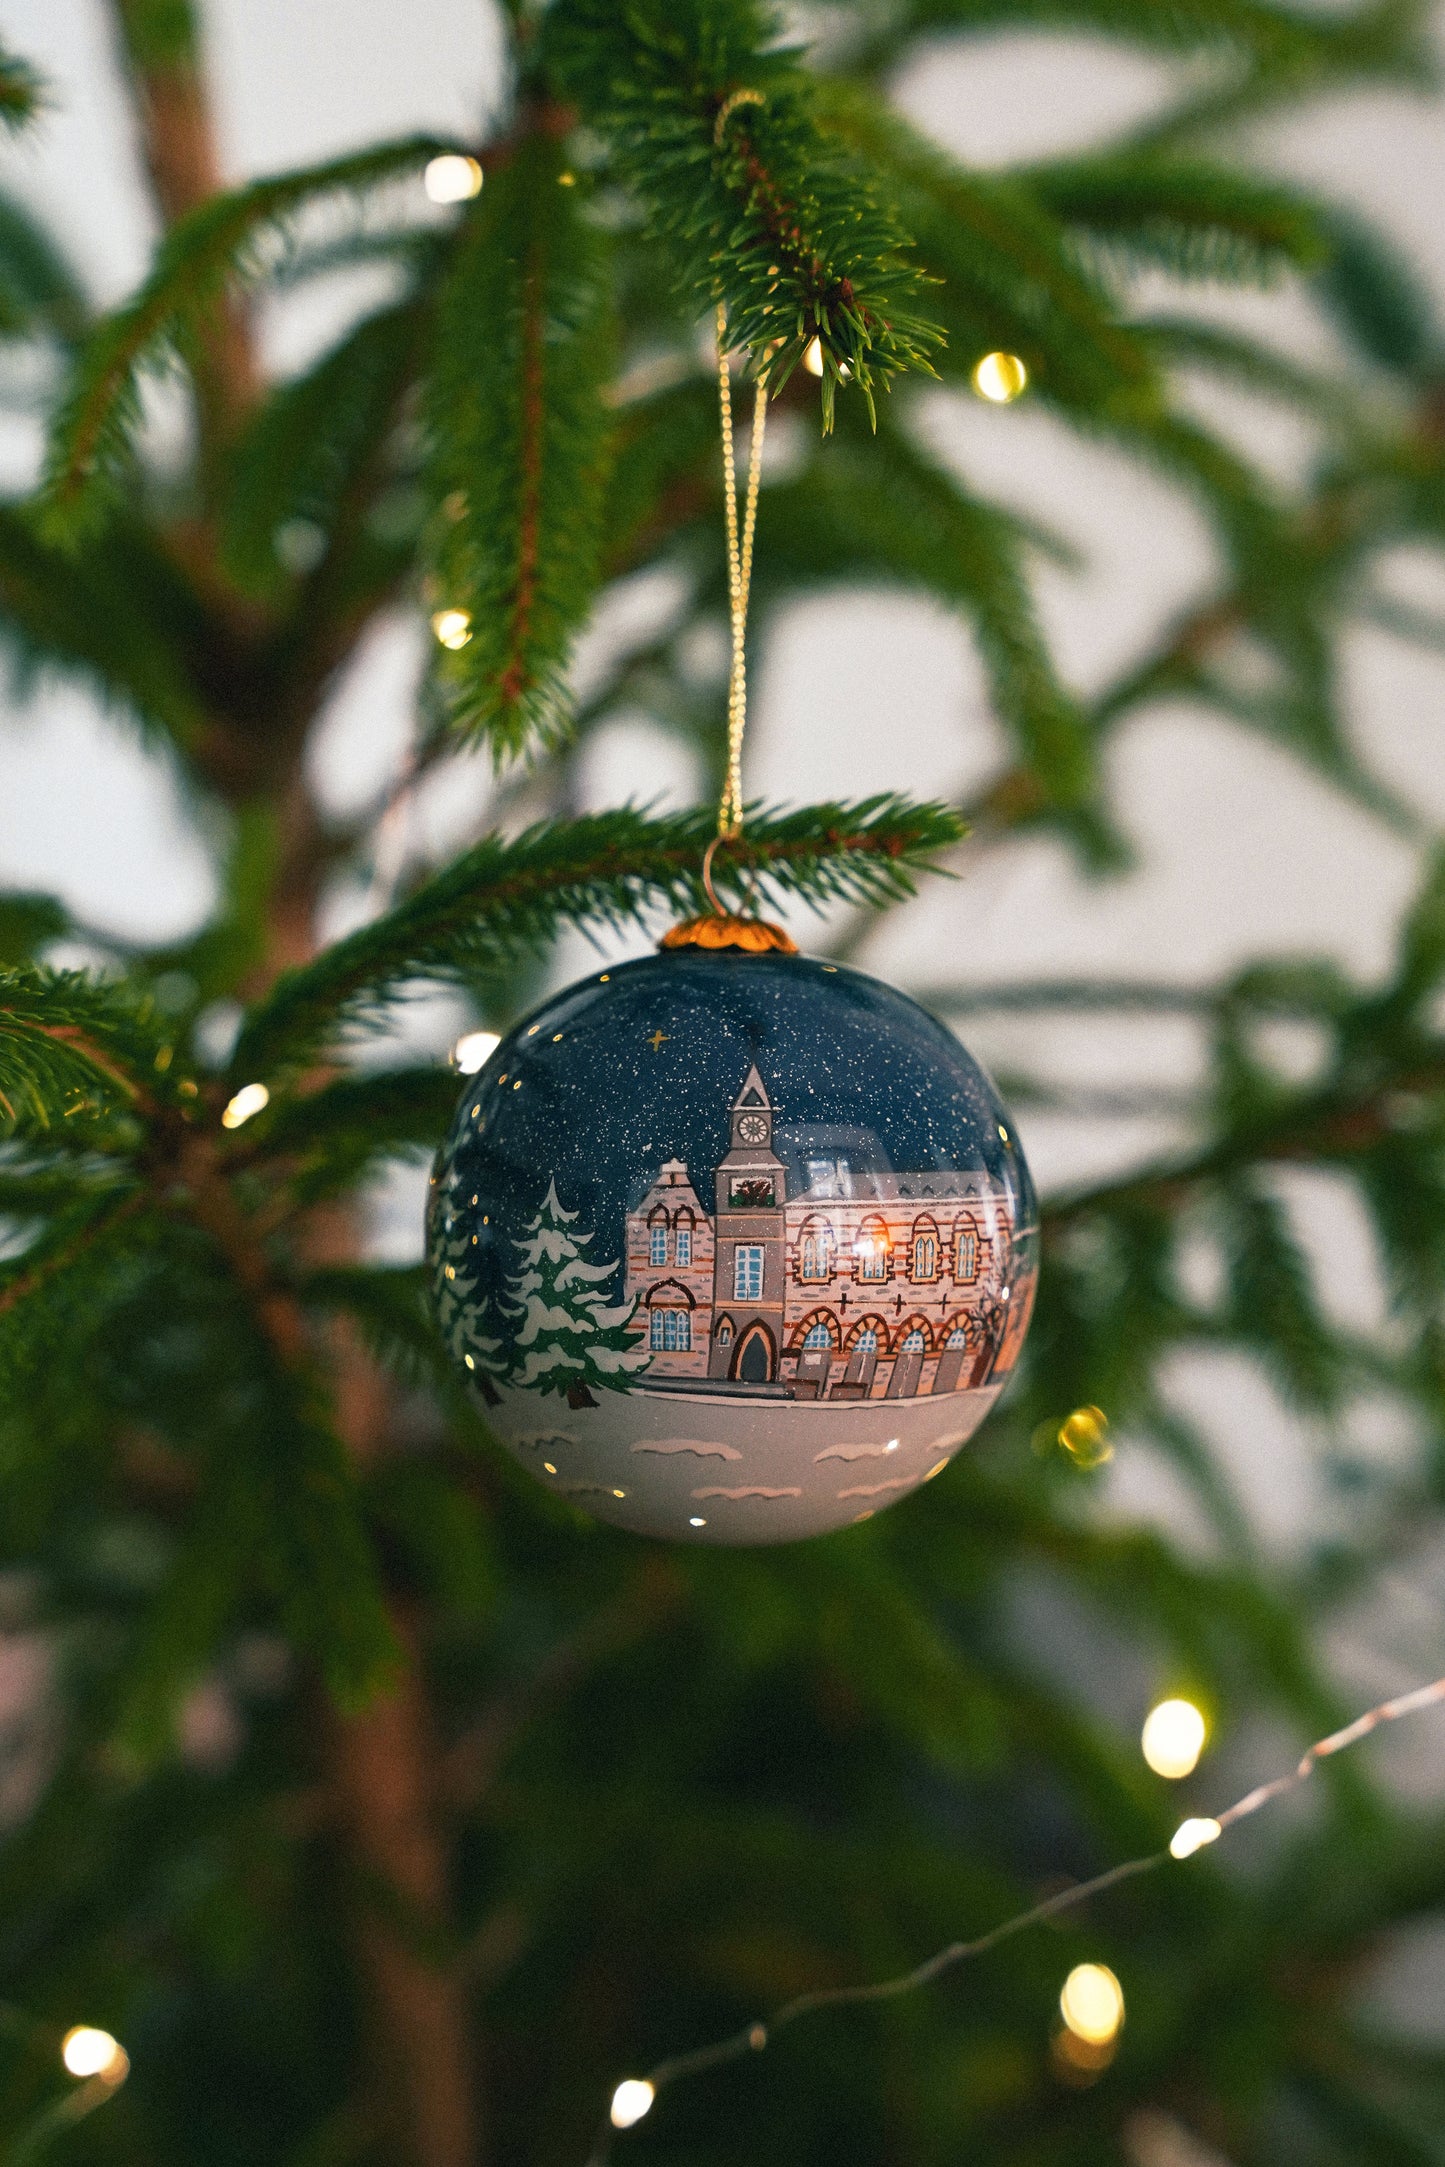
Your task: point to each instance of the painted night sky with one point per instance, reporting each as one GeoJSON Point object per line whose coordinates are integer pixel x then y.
{"type": "Point", "coordinates": [641, 1063]}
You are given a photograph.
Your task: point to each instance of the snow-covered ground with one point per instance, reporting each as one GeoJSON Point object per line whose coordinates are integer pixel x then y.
{"type": "Point", "coordinates": [716, 1468]}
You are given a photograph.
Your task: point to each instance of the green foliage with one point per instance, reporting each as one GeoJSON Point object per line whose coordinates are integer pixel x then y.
{"type": "Point", "coordinates": [38, 290]}
{"type": "Point", "coordinates": [713, 127]}
{"type": "Point", "coordinates": [21, 90]}
{"type": "Point", "coordinates": [502, 898]}
{"type": "Point", "coordinates": [224, 243]}
{"type": "Point", "coordinates": [315, 439]}
{"type": "Point", "coordinates": [522, 441]}
{"type": "Point", "coordinates": [243, 1484]}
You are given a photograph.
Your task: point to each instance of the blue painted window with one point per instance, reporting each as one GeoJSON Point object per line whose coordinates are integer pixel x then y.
{"type": "Point", "coordinates": [657, 1245]}
{"type": "Point", "coordinates": [684, 1245]}
{"type": "Point", "coordinates": [671, 1331]}
{"type": "Point", "coordinates": [817, 1335]}
{"type": "Point", "coordinates": [748, 1273]}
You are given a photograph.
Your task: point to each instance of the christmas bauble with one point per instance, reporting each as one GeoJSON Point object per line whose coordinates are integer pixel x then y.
{"type": "Point", "coordinates": [733, 1247]}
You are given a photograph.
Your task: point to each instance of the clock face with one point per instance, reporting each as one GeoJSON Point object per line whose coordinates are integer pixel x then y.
{"type": "Point", "coordinates": [753, 1128]}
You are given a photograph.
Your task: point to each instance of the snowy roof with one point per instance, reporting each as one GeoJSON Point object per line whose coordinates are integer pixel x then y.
{"type": "Point", "coordinates": [844, 1184]}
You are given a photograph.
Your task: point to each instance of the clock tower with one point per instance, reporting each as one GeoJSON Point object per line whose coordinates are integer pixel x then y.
{"type": "Point", "coordinates": [750, 1259]}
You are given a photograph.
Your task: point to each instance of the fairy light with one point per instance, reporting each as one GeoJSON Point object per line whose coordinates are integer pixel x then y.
{"type": "Point", "coordinates": [1085, 1437]}
{"type": "Point", "coordinates": [999, 378]}
{"type": "Point", "coordinates": [452, 627]}
{"type": "Point", "coordinates": [1192, 1836]}
{"type": "Point", "coordinates": [249, 1100]}
{"type": "Point", "coordinates": [1092, 2000]}
{"type": "Point", "coordinates": [452, 178]}
{"type": "Point", "coordinates": [473, 1050]}
{"type": "Point", "coordinates": [1173, 1738]}
{"type": "Point", "coordinates": [630, 2102]}
{"type": "Point", "coordinates": [88, 2052]}
{"type": "Point", "coordinates": [1092, 2004]}
{"type": "Point", "coordinates": [813, 357]}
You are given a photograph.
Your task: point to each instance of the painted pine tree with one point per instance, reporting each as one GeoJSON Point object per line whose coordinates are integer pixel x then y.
{"type": "Point", "coordinates": [566, 1337]}
{"type": "Point", "coordinates": [384, 1809]}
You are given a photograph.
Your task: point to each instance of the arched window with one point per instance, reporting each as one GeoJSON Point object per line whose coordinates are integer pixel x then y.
{"type": "Point", "coordinates": [669, 1328]}
{"type": "Point", "coordinates": [816, 1250]}
{"type": "Point", "coordinates": [724, 1331]}
{"type": "Point", "coordinates": [913, 1342]}
{"type": "Point", "coordinates": [925, 1250]}
{"type": "Point", "coordinates": [671, 1331]}
{"type": "Point", "coordinates": [872, 1250]}
{"type": "Point", "coordinates": [864, 1340]}
{"type": "Point", "coordinates": [965, 1252]}
{"type": "Point", "coordinates": [817, 1335]}
{"type": "Point", "coordinates": [657, 1241]}
{"type": "Point", "coordinates": [682, 1239]}
{"type": "Point", "coordinates": [958, 1337]}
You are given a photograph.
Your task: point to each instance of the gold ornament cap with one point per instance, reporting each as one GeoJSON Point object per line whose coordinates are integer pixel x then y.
{"type": "Point", "coordinates": [720, 929]}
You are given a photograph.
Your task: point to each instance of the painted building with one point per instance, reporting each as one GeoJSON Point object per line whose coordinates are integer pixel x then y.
{"type": "Point", "coordinates": [861, 1286]}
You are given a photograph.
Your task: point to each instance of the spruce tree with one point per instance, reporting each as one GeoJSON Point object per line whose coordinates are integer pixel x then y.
{"type": "Point", "coordinates": [385, 1809]}
{"type": "Point", "coordinates": [566, 1336]}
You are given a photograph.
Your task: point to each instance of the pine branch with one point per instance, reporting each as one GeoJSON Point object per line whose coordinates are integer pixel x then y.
{"type": "Point", "coordinates": [1377, 299]}
{"type": "Point", "coordinates": [314, 437]}
{"type": "Point", "coordinates": [1189, 216]}
{"type": "Point", "coordinates": [40, 294]}
{"type": "Point", "coordinates": [1382, 36]}
{"type": "Point", "coordinates": [715, 130]}
{"type": "Point", "coordinates": [28, 923]}
{"type": "Point", "coordinates": [1187, 342]}
{"type": "Point", "coordinates": [227, 242]}
{"type": "Point", "coordinates": [879, 507]}
{"type": "Point", "coordinates": [22, 91]}
{"type": "Point", "coordinates": [106, 614]}
{"type": "Point", "coordinates": [1290, 57]}
{"type": "Point", "coordinates": [1008, 275]}
{"type": "Point", "coordinates": [329, 1139]}
{"type": "Point", "coordinates": [69, 1046]}
{"type": "Point", "coordinates": [522, 441]}
{"type": "Point", "coordinates": [505, 898]}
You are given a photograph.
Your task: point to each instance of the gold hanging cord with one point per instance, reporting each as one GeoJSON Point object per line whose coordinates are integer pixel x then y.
{"type": "Point", "coordinates": [725, 929]}
{"type": "Point", "coordinates": [740, 574]}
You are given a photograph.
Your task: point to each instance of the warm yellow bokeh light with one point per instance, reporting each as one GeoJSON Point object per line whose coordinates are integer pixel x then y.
{"type": "Point", "coordinates": [452, 178]}
{"type": "Point", "coordinates": [453, 627]}
{"type": "Point", "coordinates": [250, 1099]}
{"type": "Point", "coordinates": [473, 1050]}
{"type": "Point", "coordinates": [87, 2052]}
{"type": "Point", "coordinates": [1173, 1738]}
{"type": "Point", "coordinates": [999, 378]}
{"type": "Point", "coordinates": [1085, 1437]}
{"type": "Point", "coordinates": [1092, 2003]}
{"type": "Point", "coordinates": [630, 2102]}
{"type": "Point", "coordinates": [1079, 2061]}
{"type": "Point", "coordinates": [813, 357]}
{"type": "Point", "coordinates": [1192, 1836]}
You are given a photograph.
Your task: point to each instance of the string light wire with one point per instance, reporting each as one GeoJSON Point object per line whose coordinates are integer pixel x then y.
{"type": "Point", "coordinates": [755, 2037]}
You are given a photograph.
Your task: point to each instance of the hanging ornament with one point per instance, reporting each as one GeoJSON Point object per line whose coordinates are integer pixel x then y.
{"type": "Point", "coordinates": [733, 1245]}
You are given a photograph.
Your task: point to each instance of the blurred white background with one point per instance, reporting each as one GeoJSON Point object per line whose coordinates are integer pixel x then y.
{"type": "Point", "coordinates": [1240, 854]}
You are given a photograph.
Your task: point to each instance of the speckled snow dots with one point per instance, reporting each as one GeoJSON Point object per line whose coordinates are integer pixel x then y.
{"type": "Point", "coordinates": [734, 1248]}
